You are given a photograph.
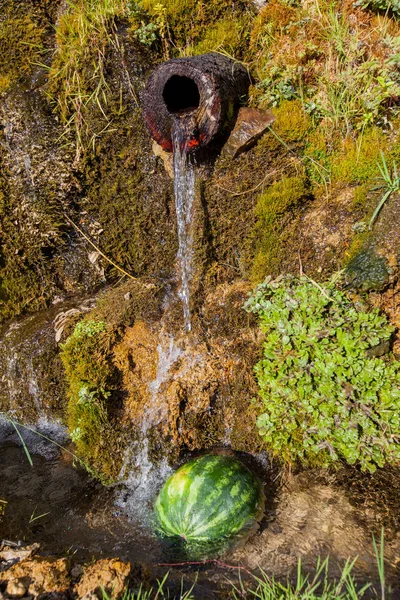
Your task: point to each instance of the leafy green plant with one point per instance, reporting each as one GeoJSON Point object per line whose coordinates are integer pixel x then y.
{"type": "Point", "coordinates": [387, 6]}
{"type": "Point", "coordinates": [323, 397]}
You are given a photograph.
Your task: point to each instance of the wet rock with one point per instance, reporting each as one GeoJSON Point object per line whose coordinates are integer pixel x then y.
{"type": "Point", "coordinates": [37, 576]}
{"type": "Point", "coordinates": [110, 574]}
{"type": "Point", "coordinates": [367, 271]}
{"type": "Point", "coordinates": [76, 571]}
{"type": "Point", "coordinates": [312, 519]}
{"type": "Point", "coordinates": [250, 126]}
{"type": "Point", "coordinates": [166, 157]}
{"type": "Point", "coordinates": [379, 350]}
{"type": "Point", "coordinates": [14, 554]}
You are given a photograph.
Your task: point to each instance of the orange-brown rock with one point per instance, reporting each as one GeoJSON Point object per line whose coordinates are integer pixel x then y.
{"type": "Point", "coordinates": [111, 574]}
{"type": "Point", "coordinates": [37, 576]}
{"type": "Point", "coordinates": [193, 391]}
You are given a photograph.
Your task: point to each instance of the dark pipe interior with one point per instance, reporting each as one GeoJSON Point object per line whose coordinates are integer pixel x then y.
{"type": "Point", "coordinates": [181, 94]}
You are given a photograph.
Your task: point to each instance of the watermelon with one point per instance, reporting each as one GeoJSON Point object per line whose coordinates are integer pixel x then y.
{"type": "Point", "coordinates": [208, 499]}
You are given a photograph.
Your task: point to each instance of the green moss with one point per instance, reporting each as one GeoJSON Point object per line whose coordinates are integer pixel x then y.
{"type": "Point", "coordinates": [292, 122]}
{"type": "Point", "coordinates": [132, 200]}
{"type": "Point", "coordinates": [360, 196]}
{"type": "Point", "coordinates": [357, 159]}
{"type": "Point", "coordinates": [91, 379]}
{"type": "Point", "coordinates": [195, 26]}
{"type": "Point", "coordinates": [271, 208]}
{"type": "Point", "coordinates": [228, 35]}
{"type": "Point", "coordinates": [21, 44]}
{"type": "Point", "coordinates": [30, 238]}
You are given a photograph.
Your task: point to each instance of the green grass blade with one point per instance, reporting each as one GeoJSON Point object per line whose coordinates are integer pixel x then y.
{"type": "Point", "coordinates": [22, 441]}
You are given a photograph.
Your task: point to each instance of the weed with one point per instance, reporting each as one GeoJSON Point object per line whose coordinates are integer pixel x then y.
{"type": "Point", "coordinates": [319, 585]}
{"type": "Point", "coordinates": [322, 397]}
{"type": "Point", "coordinates": [344, 73]}
{"type": "Point", "coordinates": [392, 185]}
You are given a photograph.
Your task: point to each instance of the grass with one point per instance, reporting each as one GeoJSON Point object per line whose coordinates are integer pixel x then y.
{"type": "Point", "coordinates": [77, 79]}
{"type": "Point", "coordinates": [17, 425]}
{"type": "Point", "coordinates": [160, 592]}
{"type": "Point", "coordinates": [391, 182]}
{"type": "Point", "coordinates": [318, 586]}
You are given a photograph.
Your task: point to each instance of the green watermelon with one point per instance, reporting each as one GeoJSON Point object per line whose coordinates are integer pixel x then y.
{"type": "Point", "coordinates": [208, 499]}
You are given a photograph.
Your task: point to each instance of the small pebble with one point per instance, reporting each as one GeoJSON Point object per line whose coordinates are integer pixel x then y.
{"type": "Point", "coordinates": [16, 589]}
{"type": "Point", "coordinates": [76, 571]}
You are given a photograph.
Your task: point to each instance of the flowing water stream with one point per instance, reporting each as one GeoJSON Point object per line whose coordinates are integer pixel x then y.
{"type": "Point", "coordinates": [184, 185]}
{"type": "Point", "coordinates": [140, 475]}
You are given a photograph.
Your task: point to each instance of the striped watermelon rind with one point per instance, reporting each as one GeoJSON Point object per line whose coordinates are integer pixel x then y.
{"type": "Point", "coordinates": [209, 499]}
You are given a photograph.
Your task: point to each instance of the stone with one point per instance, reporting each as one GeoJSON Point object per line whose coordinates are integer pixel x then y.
{"type": "Point", "coordinates": [259, 4]}
{"type": "Point", "coordinates": [367, 271]}
{"type": "Point", "coordinates": [166, 157]}
{"type": "Point", "coordinates": [37, 576]}
{"type": "Point", "coordinates": [14, 554]}
{"type": "Point", "coordinates": [250, 125]}
{"type": "Point", "coordinates": [110, 574]}
{"type": "Point", "coordinates": [76, 571]}
{"type": "Point", "coordinates": [17, 589]}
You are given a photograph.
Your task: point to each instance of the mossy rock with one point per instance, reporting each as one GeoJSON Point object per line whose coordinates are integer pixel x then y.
{"type": "Point", "coordinates": [367, 271]}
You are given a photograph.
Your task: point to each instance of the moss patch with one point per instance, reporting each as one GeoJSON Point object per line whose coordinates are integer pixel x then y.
{"type": "Point", "coordinates": [195, 27]}
{"type": "Point", "coordinates": [92, 406]}
{"type": "Point", "coordinates": [281, 197]}
{"type": "Point", "coordinates": [23, 30]}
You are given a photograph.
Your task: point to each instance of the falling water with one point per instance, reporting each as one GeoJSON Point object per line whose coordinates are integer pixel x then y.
{"type": "Point", "coordinates": [184, 183]}
{"type": "Point", "coordinates": [141, 476]}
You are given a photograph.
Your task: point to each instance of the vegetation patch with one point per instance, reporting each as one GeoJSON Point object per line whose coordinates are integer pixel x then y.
{"type": "Point", "coordinates": [77, 77]}
{"type": "Point", "coordinates": [91, 379]}
{"type": "Point", "coordinates": [277, 202]}
{"type": "Point", "coordinates": [187, 27]}
{"type": "Point", "coordinates": [22, 38]}
{"type": "Point", "coordinates": [323, 397]}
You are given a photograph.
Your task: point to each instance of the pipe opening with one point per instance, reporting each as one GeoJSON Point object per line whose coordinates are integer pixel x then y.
{"type": "Point", "coordinates": [181, 94]}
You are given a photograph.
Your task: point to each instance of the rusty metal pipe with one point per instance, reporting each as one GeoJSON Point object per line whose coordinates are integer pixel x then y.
{"type": "Point", "coordinates": [208, 87]}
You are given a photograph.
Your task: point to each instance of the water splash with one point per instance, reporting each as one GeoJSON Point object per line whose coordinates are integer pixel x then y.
{"type": "Point", "coordinates": [184, 185]}
{"type": "Point", "coordinates": [142, 477]}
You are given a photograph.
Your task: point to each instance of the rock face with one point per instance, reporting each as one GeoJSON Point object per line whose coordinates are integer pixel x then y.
{"type": "Point", "coordinates": [251, 123]}
{"type": "Point", "coordinates": [190, 392]}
